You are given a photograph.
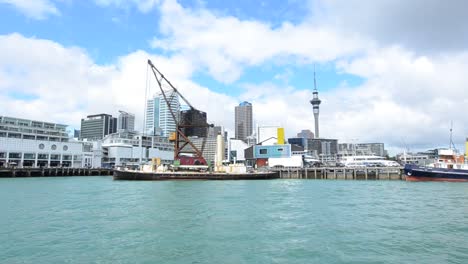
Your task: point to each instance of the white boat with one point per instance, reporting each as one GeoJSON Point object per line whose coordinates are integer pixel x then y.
{"type": "Point", "coordinates": [368, 161]}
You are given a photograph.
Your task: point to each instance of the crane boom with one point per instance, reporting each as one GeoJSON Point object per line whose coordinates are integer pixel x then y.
{"type": "Point", "coordinates": [157, 72]}
{"type": "Point", "coordinates": [181, 140]}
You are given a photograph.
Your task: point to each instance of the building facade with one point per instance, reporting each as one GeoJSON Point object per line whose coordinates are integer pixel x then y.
{"type": "Point", "coordinates": [96, 127]}
{"type": "Point", "coordinates": [159, 120]}
{"type": "Point", "coordinates": [362, 149]}
{"type": "Point", "coordinates": [267, 135]}
{"type": "Point", "coordinates": [305, 133]}
{"type": "Point", "coordinates": [126, 121]}
{"type": "Point", "coordinates": [243, 122]}
{"type": "Point", "coordinates": [322, 148]}
{"type": "Point", "coordinates": [299, 141]}
{"type": "Point", "coordinates": [30, 143]}
{"type": "Point", "coordinates": [129, 148]}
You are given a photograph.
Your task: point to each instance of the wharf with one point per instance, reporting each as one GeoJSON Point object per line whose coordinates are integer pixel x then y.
{"type": "Point", "coordinates": [52, 172]}
{"type": "Point", "coordinates": [164, 176]}
{"type": "Point", "coordinates": [341, 173]}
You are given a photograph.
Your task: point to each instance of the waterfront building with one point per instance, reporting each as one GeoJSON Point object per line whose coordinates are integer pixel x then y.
{"type": "Point", "coordinates": [322, 148]}
{"type": "Point", "coordinates": [419, 158]}
{"type": "Point", "coordinates": [305, 133]}
{"type": "Point", "coordinates": [268, 135]}
{"type": "Point", "coordinates": [243, 123]}
{"type": "Point", "coordinates": [31, 143]}
{"type": "Point", "coordinates": [362, 149]}
{"type": "Point", "coordinates": [95, 127]}
{"type": "Point", "coordinates": [236, 149]}
{"type": "Point", "coordinates": [129, 148]}
{"type": "Point", "coordinates": [208, 145]}
{"type": "Point", "coordinates": [159, 120]}
{"type": "Point", "coordinates": [299, 141]}
{"type": "Point", "coordinates": [413, 158]}
{"type": "Point", "coordinates": [126, 121]}
{"type": "Point", "coordinates": [316, 107]}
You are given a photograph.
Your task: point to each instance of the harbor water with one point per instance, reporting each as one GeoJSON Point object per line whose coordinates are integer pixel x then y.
{"type": "Point", "coordinates": [98, 220]}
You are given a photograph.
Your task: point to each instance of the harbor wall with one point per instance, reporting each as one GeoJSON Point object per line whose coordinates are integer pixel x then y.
{"type": "Point", "coordinates": [340, 173]}
{"type": "Point", "coordinates": [52, 172]}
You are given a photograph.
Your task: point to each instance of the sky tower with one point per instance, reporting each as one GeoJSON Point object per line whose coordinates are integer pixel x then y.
{"type": "Point", "coordinates": [315, 105]}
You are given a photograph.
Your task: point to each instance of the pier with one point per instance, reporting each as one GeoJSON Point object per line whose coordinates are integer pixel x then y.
{"type": "Point", "coordinates": [341, 173]}
{"type": "Point", "coordinates": [52, 172]}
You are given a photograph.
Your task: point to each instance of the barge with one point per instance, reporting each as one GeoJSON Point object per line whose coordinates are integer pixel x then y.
{"type": "Point", "coordinates": [168, 176]}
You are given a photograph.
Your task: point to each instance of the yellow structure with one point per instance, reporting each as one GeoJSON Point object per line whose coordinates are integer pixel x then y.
{"type": "Point", "coordinates": [172, 136]}
{"type": "Point", "coordinates": [280, 136]}
{"type": "Point", "coordinates": [466, 148]}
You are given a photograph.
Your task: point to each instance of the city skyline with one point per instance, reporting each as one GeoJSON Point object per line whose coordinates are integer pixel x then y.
{"type": "Point", "coordinates": [390, 79]}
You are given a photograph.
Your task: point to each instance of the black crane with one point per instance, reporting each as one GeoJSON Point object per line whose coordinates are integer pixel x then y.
{"type": "Point", "coordinates": [194, 120]}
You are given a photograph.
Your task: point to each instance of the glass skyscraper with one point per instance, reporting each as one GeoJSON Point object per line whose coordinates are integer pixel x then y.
{"type": "Point", "coordinates": [159, 120]}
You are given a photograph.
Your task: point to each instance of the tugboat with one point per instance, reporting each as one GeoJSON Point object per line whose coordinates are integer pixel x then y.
{"type": "Point", "coordinates": [450, 166]}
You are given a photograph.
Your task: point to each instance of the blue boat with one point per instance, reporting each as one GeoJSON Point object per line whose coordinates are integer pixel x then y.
{"type": "Point", "coordinates": [425, 173]}
{"type": "Point", "coordinates": [448, 167]}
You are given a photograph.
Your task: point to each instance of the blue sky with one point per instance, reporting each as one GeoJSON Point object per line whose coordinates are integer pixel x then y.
{"type": "Point", "coordinates": [107, 32]}
{"type": "Point", "coordinates": [380, 65]}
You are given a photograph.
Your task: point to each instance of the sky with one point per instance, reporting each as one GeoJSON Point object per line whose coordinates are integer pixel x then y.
{"type": "Point", "coordinates": [388, 71]}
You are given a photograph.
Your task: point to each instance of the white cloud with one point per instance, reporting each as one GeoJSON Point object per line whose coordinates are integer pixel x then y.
{"type": "Point", "coordinates": [419, 25]}
{"type": "Point", "coordinates": [142, 5]}
{"type": "Point", "coordinates": [37, 9]}
{"type": "Point", "coordinates": [66, 85]}
{"type": "Point", "coordinates": [224, 45]}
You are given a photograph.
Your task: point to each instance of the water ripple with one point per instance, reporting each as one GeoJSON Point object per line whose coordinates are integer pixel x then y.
{"type": "Point", "coordinates": [97, 220]}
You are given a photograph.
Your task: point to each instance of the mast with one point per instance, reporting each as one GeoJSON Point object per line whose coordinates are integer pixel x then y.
{"type": "Point", "coordinates": [451, 136]}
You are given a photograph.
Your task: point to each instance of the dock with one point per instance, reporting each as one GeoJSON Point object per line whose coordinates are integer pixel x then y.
{"type": "Point", "coordinates": [322, 173]}
{"type": "Point", "coordinates": [52, 172]}
{"type": "Point", "coordinates": [342, 173]}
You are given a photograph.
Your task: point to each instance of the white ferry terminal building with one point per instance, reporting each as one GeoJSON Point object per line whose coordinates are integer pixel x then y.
{"type": "Point", "coordinates": [29, 143]}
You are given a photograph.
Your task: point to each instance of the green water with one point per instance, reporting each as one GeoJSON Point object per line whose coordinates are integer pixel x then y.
{"type": "Point", "coordinates": [98, 220]}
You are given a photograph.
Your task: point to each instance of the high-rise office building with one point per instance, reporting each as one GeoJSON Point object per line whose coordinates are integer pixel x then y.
{"type": "Point", "coordinates": [243, 121]}
{"type": "Point", "coordinates": [126, 121]}
{"type": "Point", "coordinates": [95, 127]}
{"type": "Point", "coordinates": [305, 133]}
{"type": "Point", "coordinates": [159, 120]}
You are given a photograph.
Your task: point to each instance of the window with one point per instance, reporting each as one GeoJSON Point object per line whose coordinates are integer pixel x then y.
{"type": "Point", "coordinates": [14, 155]}
{"type": "Point", "coordinates": [263, 151]}
{"type": "Point", "coordinates": [43, 156]}
{"type": "Point", "coordinates": [65, 148]}
{"type": "Point", "coordinates": [28, 137]}
{"type": "Point", "coordinates": [29, 156]}
{"type": "Point", "coordinates": [280, 149]}
{"type": "Point", "coordinates": [41, 146]}
{"type": "Point", "coordinates": [14, 135]}
{"type": "Point", "coordinates": [53, 147]}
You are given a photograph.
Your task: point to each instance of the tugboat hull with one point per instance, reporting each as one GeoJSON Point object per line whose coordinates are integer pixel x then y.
{"type": "Point", "coordinates": [164, 176]}
{"type": "Point", "coordinates": [419, 173]}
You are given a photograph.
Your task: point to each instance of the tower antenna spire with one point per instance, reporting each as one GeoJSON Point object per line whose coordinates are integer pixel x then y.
{"type": "Point", "coordinates": [315, 83]}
